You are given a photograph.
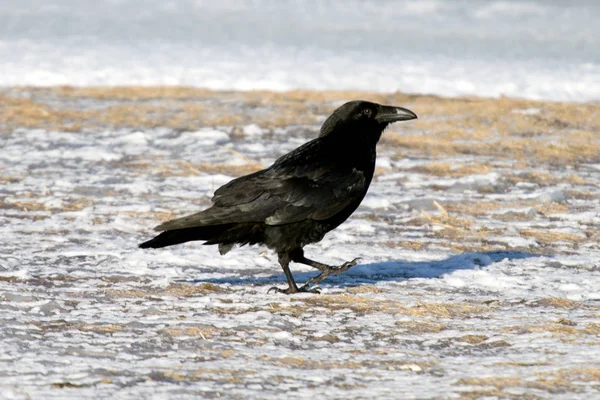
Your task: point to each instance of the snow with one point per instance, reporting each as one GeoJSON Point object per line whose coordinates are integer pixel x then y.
{"type": "Point", "coordinates": [86, 314]}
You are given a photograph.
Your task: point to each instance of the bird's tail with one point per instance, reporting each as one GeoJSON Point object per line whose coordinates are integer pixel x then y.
{"type": "Point", "coordinates": [178, 236]}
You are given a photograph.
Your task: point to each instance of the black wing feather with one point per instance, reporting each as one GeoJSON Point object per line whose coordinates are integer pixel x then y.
{"type": "Point", "coordinates": [301, 185]}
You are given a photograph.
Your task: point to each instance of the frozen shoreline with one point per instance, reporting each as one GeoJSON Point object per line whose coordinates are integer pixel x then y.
{"type": "Point", "coordinates": [521, 48]}
{"type": "Point", "coordinates": [101, 65]}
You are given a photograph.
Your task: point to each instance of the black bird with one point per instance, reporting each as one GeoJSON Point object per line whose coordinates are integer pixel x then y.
{"type": "Point", "coordinates": [297, 200]}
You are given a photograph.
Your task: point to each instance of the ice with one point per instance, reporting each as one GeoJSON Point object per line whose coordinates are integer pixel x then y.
{"type": "Point", "coordinates": [526, 213]}
{"type": "Point", "coordinates": [556, 196]}
{"type": "Point", "coordinates": [253, 130]}
{"type": "Point", "coordinates": [375, 202]}
{"type": "Point", "coordinates": [487, 183]}
{"type": "Point", "coordinates": [528, 111]}
{"type": "Point", "coordinates": [423, 204]}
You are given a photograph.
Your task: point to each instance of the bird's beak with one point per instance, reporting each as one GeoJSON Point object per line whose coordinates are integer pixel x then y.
{"type": "Point", "coordinates": [389, 114]}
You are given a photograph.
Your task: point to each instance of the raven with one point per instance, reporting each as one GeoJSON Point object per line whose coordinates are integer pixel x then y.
{"type": "Point", "coordinates": [297, 200]}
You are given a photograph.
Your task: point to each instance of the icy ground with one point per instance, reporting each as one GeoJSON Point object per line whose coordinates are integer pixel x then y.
{"type": "Point", "coordinates": [436, 309]}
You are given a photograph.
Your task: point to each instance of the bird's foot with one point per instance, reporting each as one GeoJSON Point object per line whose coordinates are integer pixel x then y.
{"type": "Point", "coordinates": [302, 289]}
{"type": "Point", "coordinates": [333, 271]}
{"type": "Point", "coordinates": [308, 288]}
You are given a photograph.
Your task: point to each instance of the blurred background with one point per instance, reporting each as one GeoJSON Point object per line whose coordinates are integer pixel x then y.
{"type": "Point", "coordinates": [537, 49]}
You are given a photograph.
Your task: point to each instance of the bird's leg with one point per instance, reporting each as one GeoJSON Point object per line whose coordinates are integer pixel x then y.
{"type": "Point", "coordinates": [284, 261]}
{"type": "Point", "coordinates": [332, 271]}
{"type": "Point", "coordinates": [297, 255]}
{"type": "Point", "coordinates": [326, 270]}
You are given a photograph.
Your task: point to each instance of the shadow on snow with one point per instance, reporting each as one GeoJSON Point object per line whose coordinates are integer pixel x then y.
{"type": "Point", "coordinates": [384, 271]}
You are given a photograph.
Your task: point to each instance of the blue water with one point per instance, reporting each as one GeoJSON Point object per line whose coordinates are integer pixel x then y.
{"type": "Point", "coordinates": [534, 49]}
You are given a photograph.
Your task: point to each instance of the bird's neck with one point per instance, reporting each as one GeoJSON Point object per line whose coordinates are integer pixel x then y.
{"type": "Point", "coordinates": [358, 152]}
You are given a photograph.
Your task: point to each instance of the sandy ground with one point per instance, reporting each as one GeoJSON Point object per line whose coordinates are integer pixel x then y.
{"type": "Point", "coordinates": [480, 243]}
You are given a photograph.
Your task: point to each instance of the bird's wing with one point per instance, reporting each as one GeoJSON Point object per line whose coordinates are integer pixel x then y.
{"type": "Point", "coordinates": [304, 162]}
{"type": "Point", "coordinates": [281, 201]}
{"type": "Point", "coordinates": [316, 199]}
{"type": "Point", "coordinates": [301, 185]}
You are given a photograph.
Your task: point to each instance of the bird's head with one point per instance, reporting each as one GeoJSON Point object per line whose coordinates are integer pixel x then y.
{"type": "Point", "coordinates": [365, 117]}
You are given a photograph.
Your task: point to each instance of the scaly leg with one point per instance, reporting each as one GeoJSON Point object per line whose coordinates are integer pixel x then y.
{"type": "Point", "coordinates": [284, 261]}
{"type": "Point", "coordinates": [326, 270]}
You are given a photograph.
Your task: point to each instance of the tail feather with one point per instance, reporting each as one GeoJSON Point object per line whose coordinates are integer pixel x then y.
{"type": "Point", "coordinates": [224, 235]}
{"type": "Point", "coordinates": [178, 236]}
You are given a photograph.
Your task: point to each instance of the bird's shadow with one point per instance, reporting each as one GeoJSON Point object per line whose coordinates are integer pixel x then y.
{"type": "Point", "coordinates": [397, 270]}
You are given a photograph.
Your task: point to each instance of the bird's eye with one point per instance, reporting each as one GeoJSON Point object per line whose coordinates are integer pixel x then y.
{"type": "Point", "coordinates": [367, 112]}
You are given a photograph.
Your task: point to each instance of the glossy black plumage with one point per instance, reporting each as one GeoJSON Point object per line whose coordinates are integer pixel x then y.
{"type": "Point", "coordinates": [302, 196]}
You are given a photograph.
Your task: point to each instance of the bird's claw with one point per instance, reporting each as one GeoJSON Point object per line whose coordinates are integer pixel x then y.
{"type": "Point", "coordinates": [308, 289]}
{"type": "Point", "coordinates": [349, 264]}
{"type": "Point", "coordinates": [302, 289]}
{"type": "Point", "coordinates": [276, 290]}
